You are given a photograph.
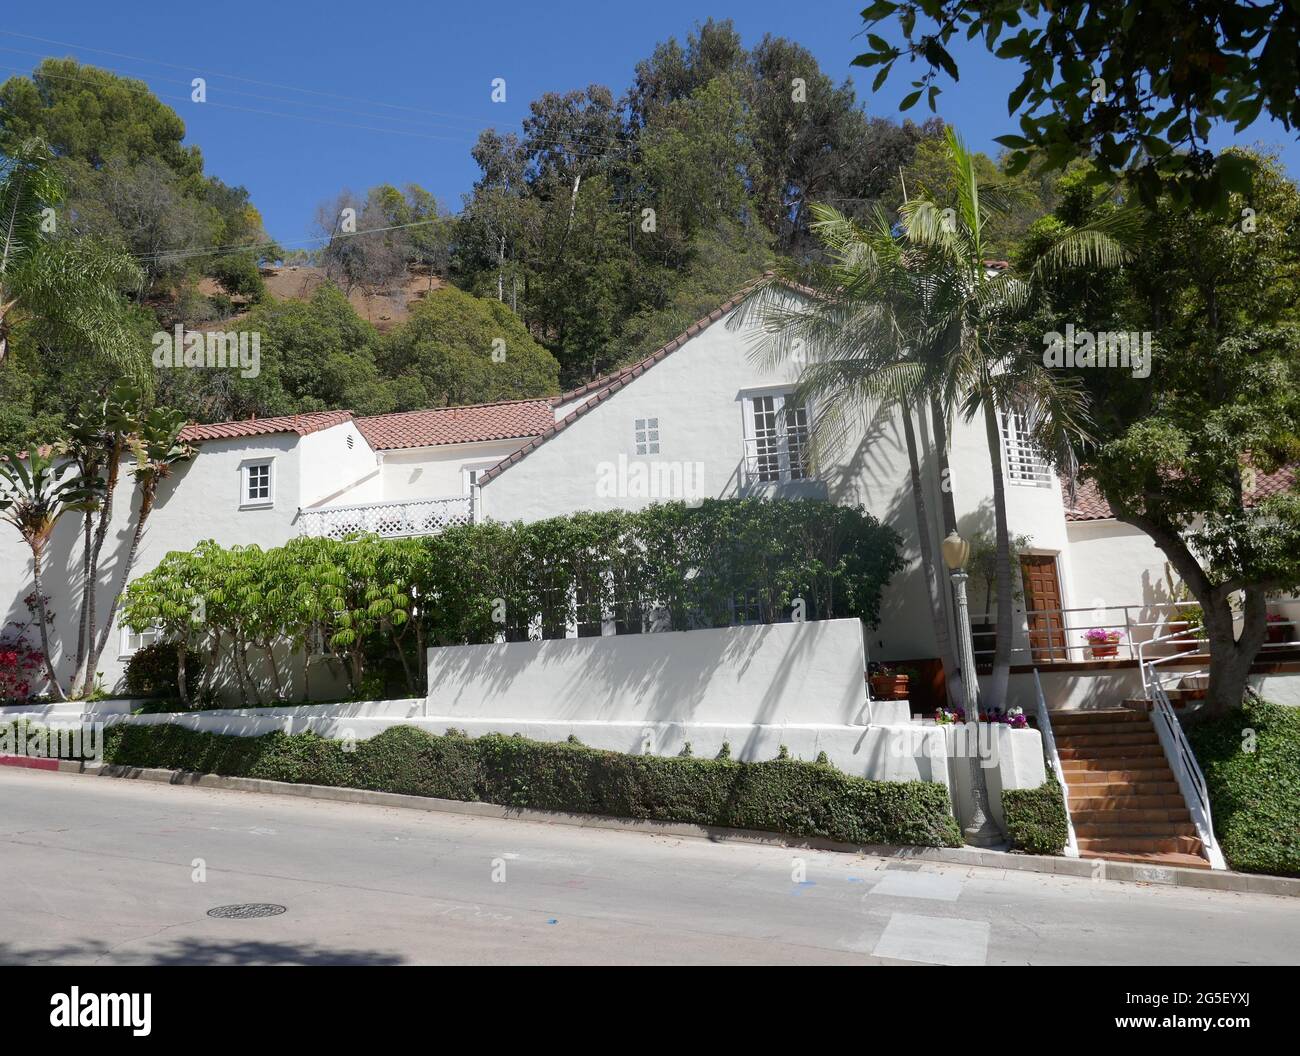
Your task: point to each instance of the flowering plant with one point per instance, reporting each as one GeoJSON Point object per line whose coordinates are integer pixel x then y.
{"type": "Point", "coordinates": [1098, 636]}
{"type": "Point", "coordinates": [945, 716]}
{"type": "Point", "coordinates": [20, 663]}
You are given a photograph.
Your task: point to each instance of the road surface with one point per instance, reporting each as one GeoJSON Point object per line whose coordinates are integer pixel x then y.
{"type": "Point", "coordinates": [102, 871]}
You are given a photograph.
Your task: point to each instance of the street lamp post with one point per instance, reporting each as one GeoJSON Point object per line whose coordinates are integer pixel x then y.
{"type": "Point", "coordinates": [981, 832]}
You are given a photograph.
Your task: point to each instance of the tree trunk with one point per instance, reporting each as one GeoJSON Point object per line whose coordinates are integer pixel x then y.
{"type": "Point", "coordinates": [1002, 652]}
{"type": "Point", "coordinates": [244, 675]}
{"type": "Point", "coordinates": [276, 681]}
{"type": "Point", "coordinates": [182, 654]}
{"type": "Point", "coordinates": [86, 587]}
{"type": "Point", "coordinates": [97, 647]}
{"type": "Point", "coordinates": [1231, 657]}
{"type": "Point", "coordinates": [952, 679]}
{"type": "Point", "coordinates": [401, 655]}
{"type": "Point", "coordinates": [957, 691]}
{"type": "Point", "coordinates": [56, 690]}
{"type": "Point", "coordinates": [84, 676]}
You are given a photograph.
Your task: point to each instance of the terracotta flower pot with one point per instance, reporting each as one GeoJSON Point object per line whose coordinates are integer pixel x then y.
{"type": "Point", "coordinates": [1101, 651]}
{"type": "Point", "coordinates": [1180, 628]}
{"type": "Point", "coordinates": [889, 687]}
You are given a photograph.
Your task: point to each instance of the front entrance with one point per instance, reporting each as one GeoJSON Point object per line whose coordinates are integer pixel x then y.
{"type": "Point", "coordinates": [1043, 607]}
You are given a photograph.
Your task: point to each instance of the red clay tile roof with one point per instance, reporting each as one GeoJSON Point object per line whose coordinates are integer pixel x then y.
{"type": "Point", "coordinates": [302, 424]}
{"type": "Point", "coordinates": [605, 387]}
{"type": "Point", "coordinates": [1089, 505]}
{"type": "Point", "coordinates": [458, 425]}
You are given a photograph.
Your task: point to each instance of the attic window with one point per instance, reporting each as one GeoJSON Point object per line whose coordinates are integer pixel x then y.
{"type": "Point", "coordinates": [647, 436]}
{"type": "Point", "coordinates": [351, 441]}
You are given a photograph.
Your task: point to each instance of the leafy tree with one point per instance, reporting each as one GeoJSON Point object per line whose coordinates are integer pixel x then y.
{"type": "Point", "coordinates": [91, 115]}
{"type": "Point", "coordinates": [34, 494]}
{"type": "Point", "coordinates": [1137, 87]}
{"type": "Point", "coordinates": [168, 599]}
{"type": "Point", "coordinates": [444, 354]}
{"type": "Point", "coordinates": [69, 288]}
{"type": "Point", "coordinates": [1181, 449]}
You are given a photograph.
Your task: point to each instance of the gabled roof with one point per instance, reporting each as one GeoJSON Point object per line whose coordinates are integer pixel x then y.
{"type": "Point", "coordinates": [606, 386]}
{"type": "Point", "coordinates": [302, 424]}
{"type": "Point", "coordinates": [1090, 505]}
{"type": "Point", "coordinates": [504, 420]}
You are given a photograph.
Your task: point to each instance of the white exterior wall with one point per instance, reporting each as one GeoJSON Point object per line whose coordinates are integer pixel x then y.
{"type": "Point", "coordinates": [200, 500]}
{"type": "Point", "coordinates": [425, 472]}
{"type": "Point", "coordinates": [335, 474]}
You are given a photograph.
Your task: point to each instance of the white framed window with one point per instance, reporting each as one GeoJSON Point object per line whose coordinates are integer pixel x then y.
{"type": "Point", "coordinates": [1024, 463]}
{"type": "Point", "coordinates": [647, 436]}
{"type": "Point", "coordinates": [471, 474]}
{"type": "Point", "coordinates": [133, 642]}
{"type": "Point", "coordinates": [776, 438]}
{"type": "Point", "coordinates": [257, 484]}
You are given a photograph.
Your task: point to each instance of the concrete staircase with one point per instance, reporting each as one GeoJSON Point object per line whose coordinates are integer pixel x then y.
{"type": "Point", "coordinates": [1124, 800]}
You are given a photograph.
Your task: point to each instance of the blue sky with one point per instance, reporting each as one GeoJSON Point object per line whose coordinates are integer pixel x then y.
{"type": "Point", "coordinates": [432, 64]}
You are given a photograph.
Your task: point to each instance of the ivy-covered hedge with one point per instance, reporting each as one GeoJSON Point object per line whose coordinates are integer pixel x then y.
{"type": "Point", "coordinates": [1251, 760]}
{"type": "Point", "coordinates": [786, 796]}
{"type": "Point", "coordinates": [1036, 821]}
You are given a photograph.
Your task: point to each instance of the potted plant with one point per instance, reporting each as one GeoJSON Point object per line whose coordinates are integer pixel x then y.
{"type": "Point", "coordinates": [888, 681]}
{"type": "Point", "coordinates": [1279, 629]}
{"type": "Point", "coordinates": [983, 569]}
{"type": "Point", "coordinates": [1186, 619]}
{"type": "Point", "coordinates": [1104, 643]}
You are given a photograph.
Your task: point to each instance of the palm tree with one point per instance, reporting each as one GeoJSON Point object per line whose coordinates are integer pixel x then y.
{"type": "Point", "coordinates": [69, 288]}
{"type": "Point", "coordinates": [158, 449]}
{"type": "Point", "coordinates": [867, 320]}
{"type": "Point", "coordinates": [972, 352]}
{"type": "Point", "coordinates": [33, 496]}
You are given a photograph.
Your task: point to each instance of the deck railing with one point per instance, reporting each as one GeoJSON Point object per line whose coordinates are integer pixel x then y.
{"type": "Point", "coordinates": [391, 520]}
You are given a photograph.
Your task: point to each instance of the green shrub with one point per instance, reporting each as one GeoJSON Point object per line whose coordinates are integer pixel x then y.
{"type": "Point", "coordinates": [785, 795]}
{"type": "Point", "coordinates": [1254, 795]}
{"type": "Point", "coordinates": [151, 671]}
{"type": "Point", "coordinates": [1035, 817]}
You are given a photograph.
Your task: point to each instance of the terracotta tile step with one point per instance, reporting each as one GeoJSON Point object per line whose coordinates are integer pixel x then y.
{"type": "Point", "coordinates": [1118, 765]}
{"type": "Point", "coordinates": [1098, 783]}
{"type": "Point", "coordinates": [1129, 816]}
{"type": "Point", "coordinates": [1130, 844]}
{"type": "Point", "coordinates": [1085, 801]}
{"type": "Point", "coordinates": [1108, 740]}
{"type": "Point", "coordinates": [1112, 751]}
{"type": "Point", "coordinates": [1083, 718]}
{"type": "Point", "coordinates": [1073, 730]}
{"type": "Point", "coordinates": [1157, 830]}
{"type": "Point", "coordinates": [1175, 859]}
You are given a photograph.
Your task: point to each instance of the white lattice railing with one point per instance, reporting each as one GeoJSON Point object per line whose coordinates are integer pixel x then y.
{"type": "Point", "coordinates": [388, 519]}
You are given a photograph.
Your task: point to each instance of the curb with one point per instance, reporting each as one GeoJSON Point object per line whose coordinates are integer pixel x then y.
{"type": "Point", "coordinates": [1130, 872]}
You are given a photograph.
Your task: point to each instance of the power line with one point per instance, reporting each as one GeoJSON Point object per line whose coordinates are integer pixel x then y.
{"type": "Point", "coordinates": [144, 89]}
{"type": "Point", "coordinates": [266, 84]}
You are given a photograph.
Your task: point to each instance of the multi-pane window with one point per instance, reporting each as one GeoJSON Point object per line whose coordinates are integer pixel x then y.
{"type": "Point", "coordinates": [777, 444]}
{"type": "Point", "coordinates": [1024, 462]}
{"type": "Point", "coordinates": [647, 436]}
{"type": "Point", "coordinates": [133, 641]}
{"type": "Point", "coordinates": [257, 484]}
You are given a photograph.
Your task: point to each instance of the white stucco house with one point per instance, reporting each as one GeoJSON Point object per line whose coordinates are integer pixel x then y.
{"type": "Point", "coordinates": [700, 417]}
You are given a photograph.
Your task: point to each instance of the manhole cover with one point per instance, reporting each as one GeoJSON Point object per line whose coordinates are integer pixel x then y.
{"type": "Point", "coordinates": [247, 910]}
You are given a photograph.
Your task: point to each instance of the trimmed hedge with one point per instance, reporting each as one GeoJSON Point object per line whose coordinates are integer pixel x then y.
{"type": "Point", "coordinates": [787, 796]}
{"type": "Point", "coordinates": [1036, 822]}
{"type": "Point", "coordinates": [1254, 795]}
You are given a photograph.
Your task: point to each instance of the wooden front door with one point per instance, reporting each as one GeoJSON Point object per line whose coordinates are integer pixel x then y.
{"type": "Point", "coordinates": [1042, 607]}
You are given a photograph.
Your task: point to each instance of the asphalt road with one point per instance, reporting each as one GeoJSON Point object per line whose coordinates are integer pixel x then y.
{"type": "Point", "coordinates": [102, 871]}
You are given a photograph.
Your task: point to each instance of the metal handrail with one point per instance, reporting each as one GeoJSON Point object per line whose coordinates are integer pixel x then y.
{"type": "Point", "coordinates": [1054, 761]}
{"type": "Point", "coordinates": [1178, 749]}
{"type": "Point", "coordinates": [1034, 653]}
